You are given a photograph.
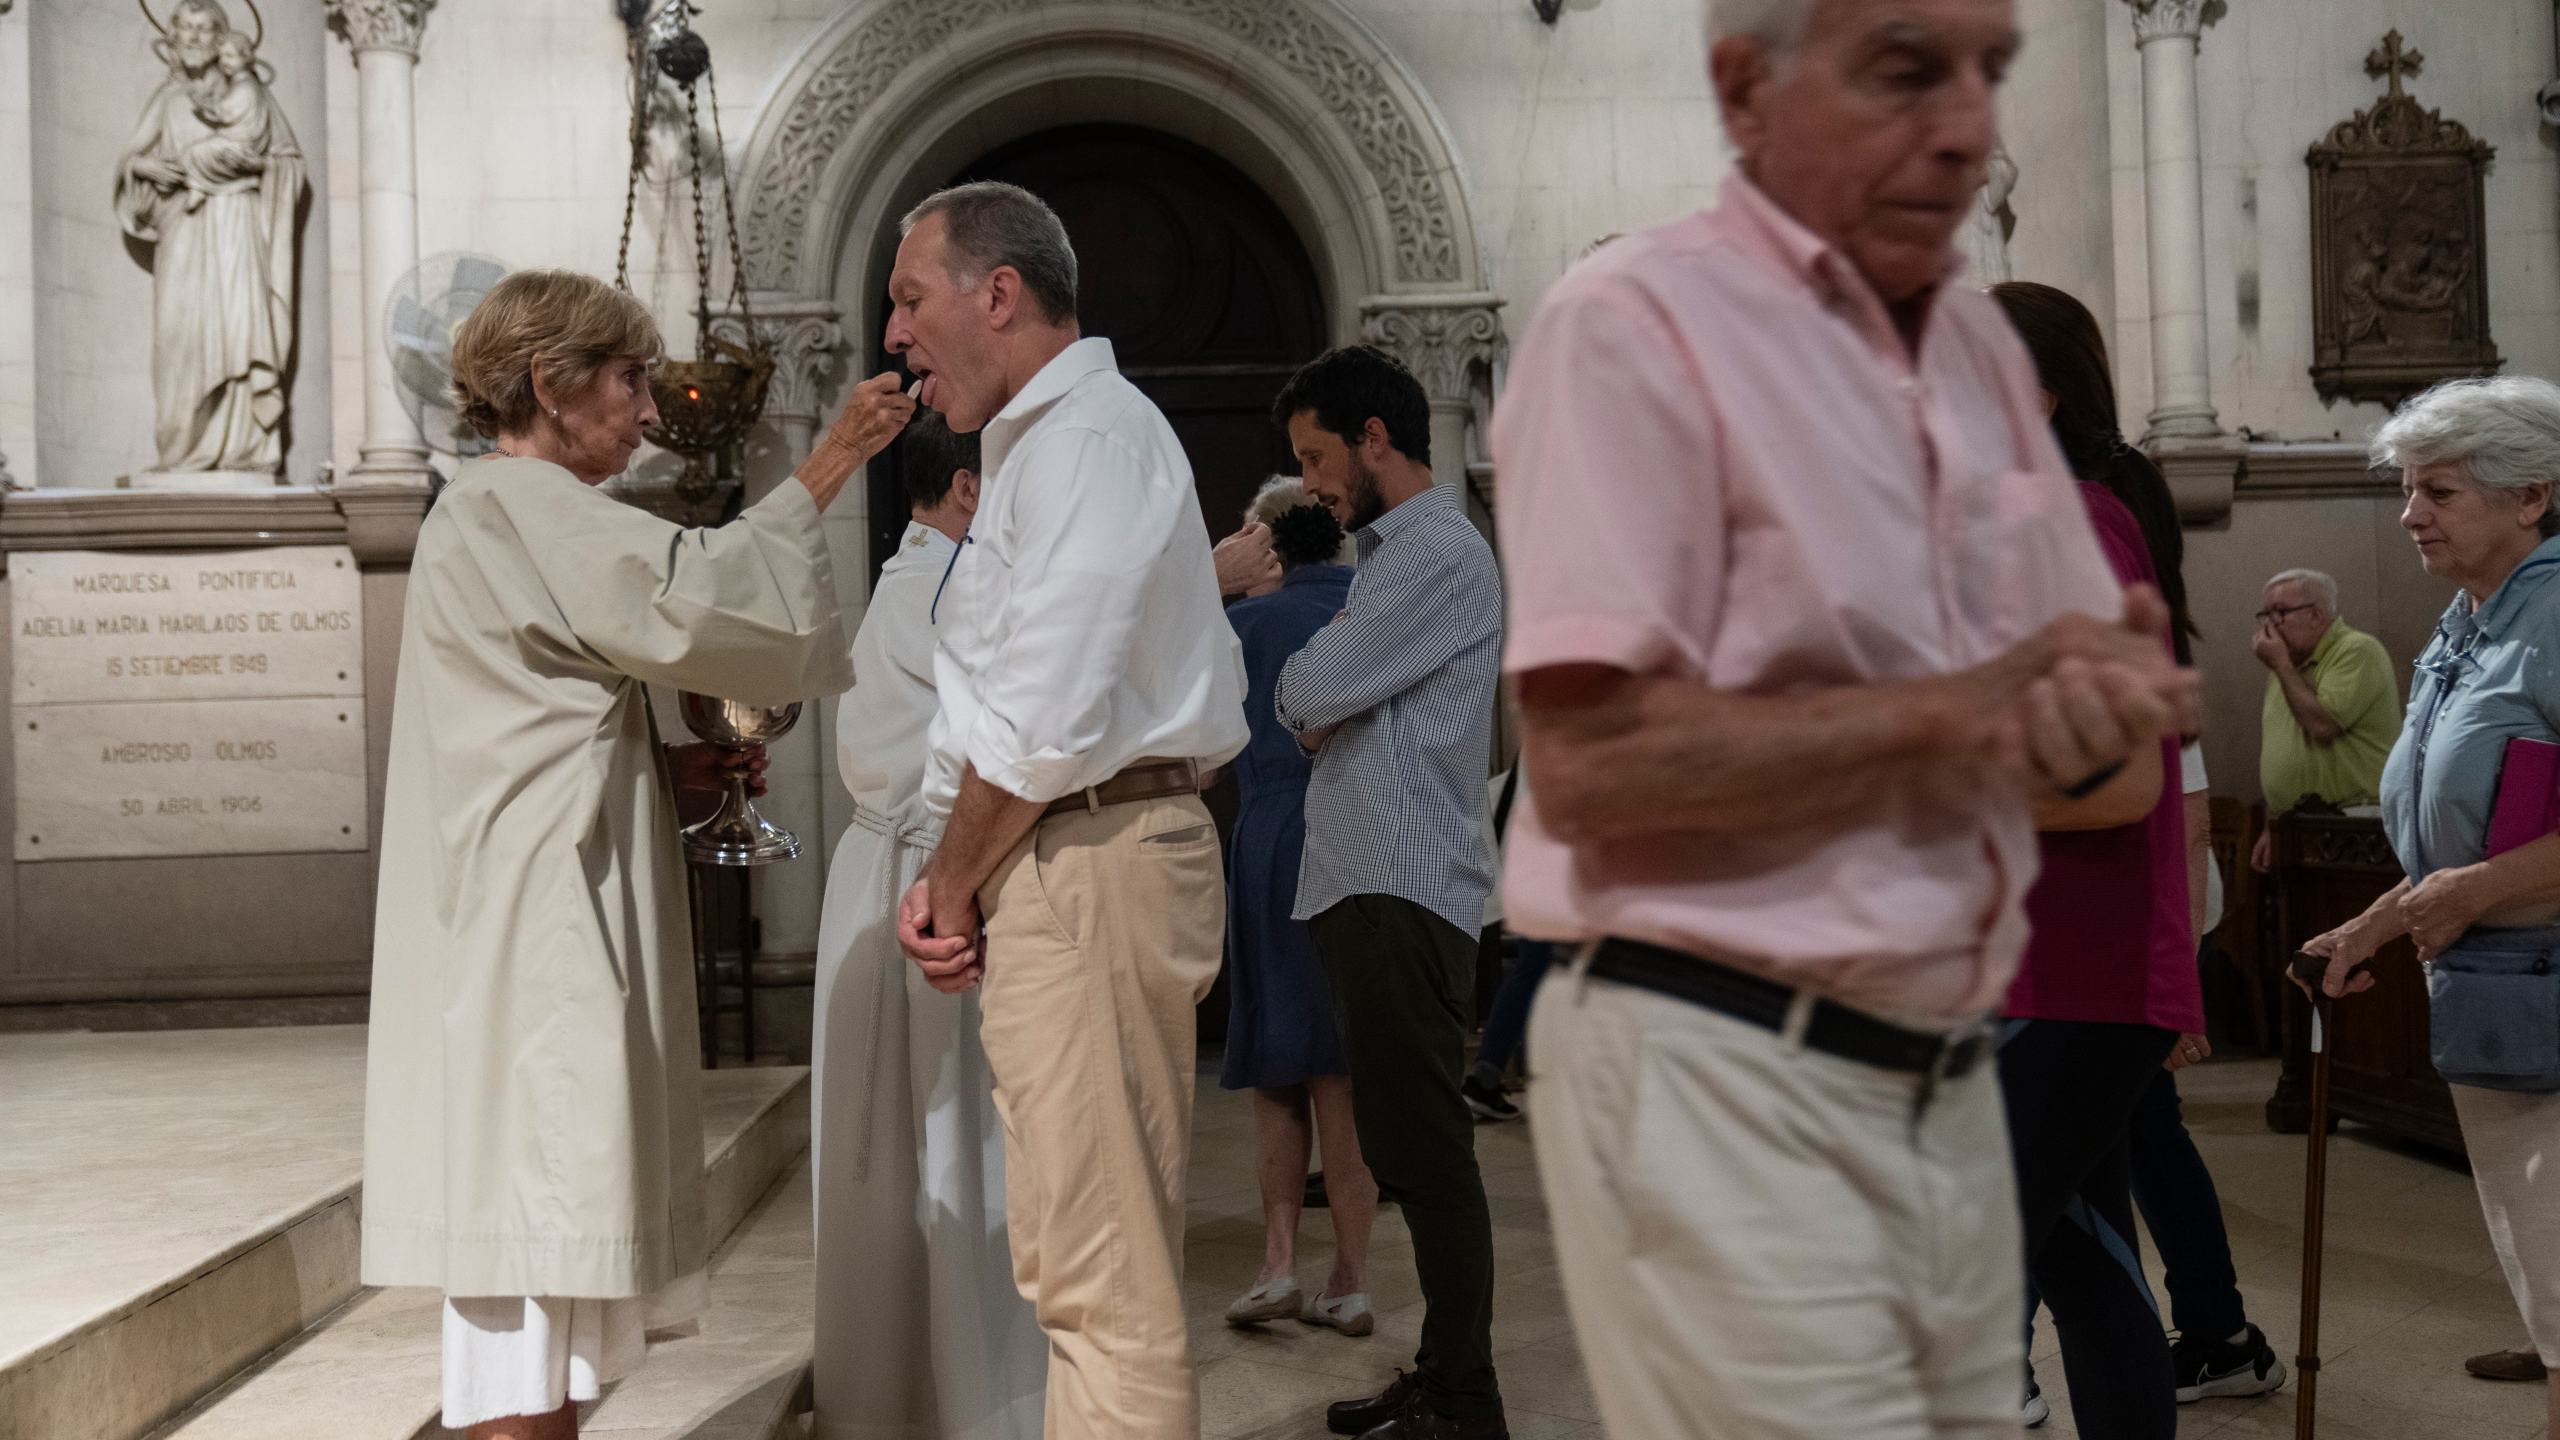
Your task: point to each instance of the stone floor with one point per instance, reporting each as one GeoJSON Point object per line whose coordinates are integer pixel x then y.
{"type": "Point", "coordinates": [2411, 1287]}
{"type": "Point", "coordinates": [1275, 1381]}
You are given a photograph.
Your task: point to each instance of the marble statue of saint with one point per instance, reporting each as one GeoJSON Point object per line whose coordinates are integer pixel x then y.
{"type": "Point", "coordinates": [214, 182]}
{"type": "Point", "coordinates": [1986, 233]}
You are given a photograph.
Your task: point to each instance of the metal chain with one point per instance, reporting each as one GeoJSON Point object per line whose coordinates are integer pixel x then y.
{"type": "Point", "coordinates": [729, 214]}
{"type": "Point", "coordinates": [701, 233]}
{"type": "Point", "coordinates": [640, 91]}
{"type": "Point", "coordinates": [643, 92]}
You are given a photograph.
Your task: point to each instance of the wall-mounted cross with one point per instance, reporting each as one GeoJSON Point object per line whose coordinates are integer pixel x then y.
{"type": "Point", "coordinates": [2393, 61]}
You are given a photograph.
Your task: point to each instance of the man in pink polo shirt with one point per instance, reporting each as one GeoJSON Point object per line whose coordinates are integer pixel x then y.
{"type": "Point", "coordinates": [1805, 613]}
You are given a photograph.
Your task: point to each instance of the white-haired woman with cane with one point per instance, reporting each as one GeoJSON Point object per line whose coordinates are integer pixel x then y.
{"type": "Point", "coordinates": [2478, 461]}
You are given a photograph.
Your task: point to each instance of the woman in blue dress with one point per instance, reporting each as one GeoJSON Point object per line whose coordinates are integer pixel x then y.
{"type": "Point", "coordinates": [1280, 1036]}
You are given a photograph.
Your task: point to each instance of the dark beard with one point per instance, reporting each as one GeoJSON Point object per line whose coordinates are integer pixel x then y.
{"type": "Point", "coordinates": [1362, 496]}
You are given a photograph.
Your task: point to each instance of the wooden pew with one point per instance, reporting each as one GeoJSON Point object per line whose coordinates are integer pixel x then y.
{"type": "Point", "coordinates": [2328, 869]}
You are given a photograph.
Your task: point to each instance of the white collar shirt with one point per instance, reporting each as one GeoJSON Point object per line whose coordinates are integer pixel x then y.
{"type": "Point", "coordinates": [1080, 630]}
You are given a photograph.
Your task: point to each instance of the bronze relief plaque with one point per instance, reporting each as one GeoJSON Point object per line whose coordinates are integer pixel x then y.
{"type": "Point", "coordinates": [2399, 272]}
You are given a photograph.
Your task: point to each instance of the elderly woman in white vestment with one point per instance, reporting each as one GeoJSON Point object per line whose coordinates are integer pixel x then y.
{"type": "Point", "coordinates": [921, 1334]}
{"type": "Point", "coordinates": [533, 1136]}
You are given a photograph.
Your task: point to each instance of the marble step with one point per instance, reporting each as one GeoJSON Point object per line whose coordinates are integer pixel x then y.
{"type": "Point", "coordinates": [172, 1205]}
{"type": "Point", "coordinates": [177, 1205]}
{"type": "Point", "coordinates": [370, 1371]}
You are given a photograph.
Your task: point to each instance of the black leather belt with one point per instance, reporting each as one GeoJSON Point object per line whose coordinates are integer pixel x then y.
{"type": "Point", "coordinates": [1834, 1028]}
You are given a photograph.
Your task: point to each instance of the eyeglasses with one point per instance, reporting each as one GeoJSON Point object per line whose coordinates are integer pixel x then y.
{"type": "Point", "coordinates": [2282, 613]}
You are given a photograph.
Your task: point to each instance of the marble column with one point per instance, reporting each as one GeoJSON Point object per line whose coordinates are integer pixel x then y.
{"type": "Point", "coordinates": [385, 495]}
{"type": "Point", "coordinates": [17, 242]}
{"type": "Point", "coordinates": [805, 340]}
{"type": "Point", "coordinates": [1447, 341]}
{"type": "Point", "coordinates": [2183, 434]}
{"type": "Point", "coordinates": [2168, 32]}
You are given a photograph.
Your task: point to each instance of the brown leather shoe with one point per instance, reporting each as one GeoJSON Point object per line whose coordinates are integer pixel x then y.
{"type": "Point", "coordinates": [1359, 1417]}
{"type": "Point", "coordinates": [1420, 1422]}
{"type": "Point", "coordinates": [2506, 1365]}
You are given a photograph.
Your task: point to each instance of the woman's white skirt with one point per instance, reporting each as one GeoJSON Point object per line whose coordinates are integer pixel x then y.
{"type": "Point", "coordinates": [531, 1354]}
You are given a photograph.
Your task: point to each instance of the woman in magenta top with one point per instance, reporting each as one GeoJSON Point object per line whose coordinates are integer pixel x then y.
{"type": "Point", "coordinates": [2112, 940]}
{"type": "Point", "coordinates": [2108, 986]}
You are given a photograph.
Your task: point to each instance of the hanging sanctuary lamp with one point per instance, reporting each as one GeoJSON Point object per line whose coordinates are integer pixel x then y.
{"type": "Point", "coordinates": [708, 403]}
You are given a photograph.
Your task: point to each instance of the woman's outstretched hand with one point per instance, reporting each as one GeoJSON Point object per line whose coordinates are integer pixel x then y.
{"type": "Point", "coordinates": [873, 415]}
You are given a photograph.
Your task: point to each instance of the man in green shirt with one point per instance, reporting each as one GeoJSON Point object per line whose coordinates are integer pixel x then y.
{"type": "Point", "coordinates": [2333, 704]}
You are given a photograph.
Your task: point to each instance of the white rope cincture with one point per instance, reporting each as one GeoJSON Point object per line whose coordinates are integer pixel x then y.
{"type": "Point", "coordinates": [892, 977]}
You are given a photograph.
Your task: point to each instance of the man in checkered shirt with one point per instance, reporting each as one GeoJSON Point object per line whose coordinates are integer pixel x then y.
{"type": "Point", "coordinates": [1396, 699]}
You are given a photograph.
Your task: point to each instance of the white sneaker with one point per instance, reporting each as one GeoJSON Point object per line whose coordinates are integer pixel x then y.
{"type": "Point", "coordinates": [2035, 1411]}
{"type": "Point", "coordinates": [1271, 1300]}
{"type": "Point", "coordinates": [1347, 1313]}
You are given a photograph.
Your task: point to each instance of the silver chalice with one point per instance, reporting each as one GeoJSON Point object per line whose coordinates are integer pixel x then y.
{"type": "Point", "coordinates": [735, 834]}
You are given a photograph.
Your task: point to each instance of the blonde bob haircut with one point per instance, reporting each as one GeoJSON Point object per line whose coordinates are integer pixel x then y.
{"type": "Point", "coordinates": [573, 326]}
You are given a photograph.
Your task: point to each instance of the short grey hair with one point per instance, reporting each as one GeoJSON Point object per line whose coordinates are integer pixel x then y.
{"type": "Point", "coordinates": [2323, 589]}
{"type": "Point", "coordinates": [1278, 496]}
{"type": "Point", "coordinates": [1778, 24]}
{"type": "Point", "coordinates": [2503, 430]}
{"type": "Point", "coordinates": [992, 224]}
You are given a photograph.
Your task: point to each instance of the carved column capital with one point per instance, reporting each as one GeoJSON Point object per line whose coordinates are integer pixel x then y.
{"type": "Point", "coordinates": [804, 339]}
{"type": "Point", "coordinates": [383, 520]}
{"type": "Point", "coordinates": [379, 24]}
{"type": "Point", "coordinates": [2168, 20]}
{"type": "Point", "coordinates": [1445, 342]}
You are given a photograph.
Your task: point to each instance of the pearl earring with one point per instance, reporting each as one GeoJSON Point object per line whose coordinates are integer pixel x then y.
{"type": "Point", "coordinates": [555, 414]}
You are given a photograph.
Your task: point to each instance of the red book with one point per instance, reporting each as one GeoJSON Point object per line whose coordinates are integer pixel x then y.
{"type": "Point", "coordinates": [2528, 805]}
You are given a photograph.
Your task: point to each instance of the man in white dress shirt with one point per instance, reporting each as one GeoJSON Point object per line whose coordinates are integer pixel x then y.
{"type": "Point", "coordinates": [1087, 677]}
{"type": "Point", "coordinates": [920, 1331]}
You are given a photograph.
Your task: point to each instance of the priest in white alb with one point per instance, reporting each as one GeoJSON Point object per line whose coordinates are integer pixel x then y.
{"type": "Point", "coordinates": [533, 1126]}
{"type": "Point", "coordinates": [921, 1334]}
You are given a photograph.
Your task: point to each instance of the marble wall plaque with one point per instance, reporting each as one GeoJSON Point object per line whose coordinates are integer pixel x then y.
{"type": "Point", "coordinates": [219, 777]}
{"type": "Point", "coordinates": [187, 703]}
{"type": "Point", "coordinates": [93, 625]}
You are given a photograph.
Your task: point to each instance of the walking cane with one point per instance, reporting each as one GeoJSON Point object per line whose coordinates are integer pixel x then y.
{"type": "Point", "coordinates": [2315, 1196]}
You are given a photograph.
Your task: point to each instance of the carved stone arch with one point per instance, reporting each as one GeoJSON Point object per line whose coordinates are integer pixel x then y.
{"type": "Point", "coordinates": [890, 97]}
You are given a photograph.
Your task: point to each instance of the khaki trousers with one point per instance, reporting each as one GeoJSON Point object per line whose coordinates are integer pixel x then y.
{"type": "Point", "coordinates": [1104, 930]}
{"type": "Point", "coordinates": [1762, 1242]}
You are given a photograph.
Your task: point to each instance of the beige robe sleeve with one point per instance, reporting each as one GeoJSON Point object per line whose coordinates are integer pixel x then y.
{"type": "Point", "coordinates": [746, 611]}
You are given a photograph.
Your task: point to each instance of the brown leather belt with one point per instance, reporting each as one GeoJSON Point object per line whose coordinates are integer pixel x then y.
{"type": "Point", "coordinates": [1144, 780]}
